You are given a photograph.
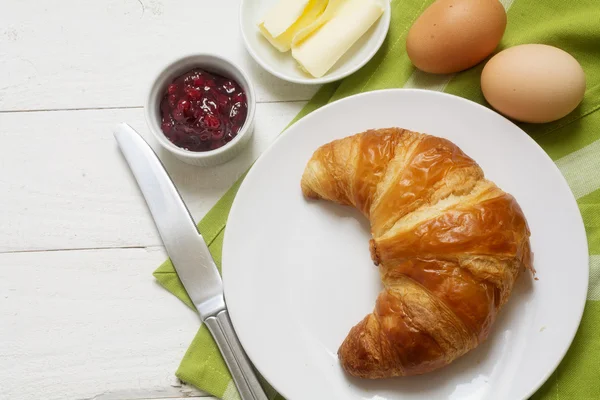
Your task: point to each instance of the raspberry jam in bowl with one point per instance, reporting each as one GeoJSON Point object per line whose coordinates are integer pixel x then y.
{"type": "Point", "coordinates": [201, 109]}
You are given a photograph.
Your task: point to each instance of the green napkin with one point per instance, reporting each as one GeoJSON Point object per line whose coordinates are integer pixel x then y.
{"type": "Point", "coordinates": [572, 142]}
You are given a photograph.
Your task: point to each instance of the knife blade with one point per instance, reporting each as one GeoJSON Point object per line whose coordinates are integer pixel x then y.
{"type": "Point", "coordinates": [189, 254]}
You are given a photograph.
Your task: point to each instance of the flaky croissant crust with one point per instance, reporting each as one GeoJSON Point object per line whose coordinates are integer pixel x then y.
{"type": "Point", "coordinates": [449, 244]}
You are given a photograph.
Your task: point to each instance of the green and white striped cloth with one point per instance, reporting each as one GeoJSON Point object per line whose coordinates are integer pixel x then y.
{"type": "Point", "coordinates": [572, 142]}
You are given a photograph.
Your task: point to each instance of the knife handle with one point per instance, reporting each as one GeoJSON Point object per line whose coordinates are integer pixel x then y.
{"type": "Point", "coordinates": [237, 361]}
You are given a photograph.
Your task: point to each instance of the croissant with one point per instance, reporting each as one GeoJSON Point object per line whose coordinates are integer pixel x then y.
{"type": "Point", "coordinates": [449, 245]}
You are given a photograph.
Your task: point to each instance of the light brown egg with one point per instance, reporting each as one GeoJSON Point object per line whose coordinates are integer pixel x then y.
{"type": "Point", "coordinates": [453, 35]}
{"type": "Point", "coordinates": [533, 83]}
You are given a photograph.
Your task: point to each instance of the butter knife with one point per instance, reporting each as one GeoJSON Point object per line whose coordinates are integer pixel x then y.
{"type": "Point", "coordinates": [190, 255]}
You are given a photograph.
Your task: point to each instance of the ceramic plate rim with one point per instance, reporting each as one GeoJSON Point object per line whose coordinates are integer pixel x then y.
{"type": "Point", "coordinates": [324, 109]}
{"type": "Point", "coordinates": [327, 78]}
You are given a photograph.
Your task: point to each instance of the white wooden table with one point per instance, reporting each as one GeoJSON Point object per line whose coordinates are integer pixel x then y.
{"type": "Point", "coordinates": [80, 314]}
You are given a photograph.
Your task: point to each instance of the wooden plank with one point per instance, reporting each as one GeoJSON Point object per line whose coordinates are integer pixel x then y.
{"type": "Point", "coordinates": [169, 393]}
{"type": "Point", "coordinates": [90, 324]}
{"type": "Point", "coordinates": [66, 185]}
{"type": "Point", "coordinates": [89, 54]}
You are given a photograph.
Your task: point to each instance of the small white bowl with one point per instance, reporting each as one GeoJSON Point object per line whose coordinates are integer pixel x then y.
{"type": "Point", "coordinates": [283, 65]}
{"type": "Point", "coordinates": [211, 63]}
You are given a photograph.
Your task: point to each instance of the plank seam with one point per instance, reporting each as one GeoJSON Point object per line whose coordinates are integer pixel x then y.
{"type": "Point", "coordinates": [125, 107]}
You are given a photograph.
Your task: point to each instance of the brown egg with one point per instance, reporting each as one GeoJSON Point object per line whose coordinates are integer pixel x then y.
{"type": "Point", "coordinates": [533, 83]}
{"type": "Point", "coordinates": [453, 35]}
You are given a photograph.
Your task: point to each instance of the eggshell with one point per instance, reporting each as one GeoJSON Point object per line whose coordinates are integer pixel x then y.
{"type": "Point", "coordinates": [533, 83]}
{"type": "Point", "coordinates": [453, 35]}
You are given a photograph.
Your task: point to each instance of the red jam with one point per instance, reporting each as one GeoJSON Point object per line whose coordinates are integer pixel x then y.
{"type": "Point", "coordinates": [202, 111]}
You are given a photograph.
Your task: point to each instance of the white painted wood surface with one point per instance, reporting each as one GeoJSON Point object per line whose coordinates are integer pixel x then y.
{"type": "Point", "coordinates": [79, 324]}
{"type": "Point", "coordinates": [58, 54]}
{"type": "Point", "coordinates": [80, 314]}
{"type": "Point", "coordinates": [64, 183]}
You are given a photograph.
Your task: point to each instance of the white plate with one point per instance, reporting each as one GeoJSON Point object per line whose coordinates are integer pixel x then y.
{"type": "Point", "coordinates": [298, 274]}
{"type": "Point", "coordinates": [283, 65]}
